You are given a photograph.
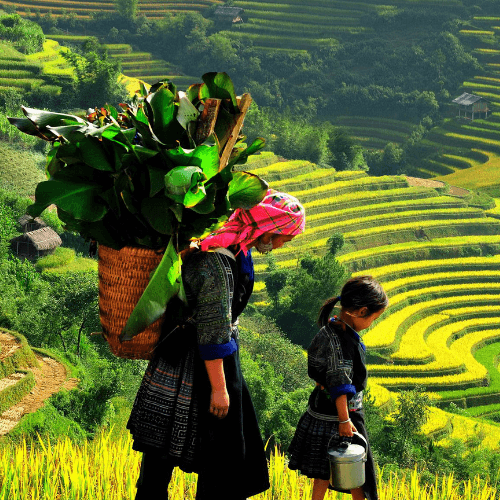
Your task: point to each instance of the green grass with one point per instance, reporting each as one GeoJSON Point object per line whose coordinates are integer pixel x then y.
{"type": "Point", "coordinates": [63, 261]}
{"type": "Point", "coordinates": [20, 169]}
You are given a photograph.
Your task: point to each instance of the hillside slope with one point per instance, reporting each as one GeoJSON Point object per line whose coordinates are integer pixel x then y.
{"type": "Point", "coordinates": [27, 379]}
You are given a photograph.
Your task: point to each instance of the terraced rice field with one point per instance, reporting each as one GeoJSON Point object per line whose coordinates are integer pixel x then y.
{"type": "Point", "coordinates": [467, 153]}
{"type": "Point", "coordinates": [35, 72]}
{"type": "Point", "coordinates": [439, 261]}
{"type": "Point", "coordinates": [154, 9]}
{"type": "Point", "coordinates": [136, 65]}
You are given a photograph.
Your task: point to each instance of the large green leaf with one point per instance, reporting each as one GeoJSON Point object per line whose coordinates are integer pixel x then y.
{"type": "Point", "coordinates": [163, 285]}
{"type": "Point", "coordinates": [80, 200]}
{"type": "Point", "coordinates": [72, 133]}
{"type": "Point", "coordinates": [184, 185]}
{"type": "Point", "coordinates": [187, 113]}
{"type": "Point", "coordinates": [242, 156]}
{"type": "Point", "coordinates": [219, 86]}
{"type": "Point", "coordinates": [54, 164]}
{"type": "Point", "coordinates": [94, 155]}
{"type": "Point", "coordinates": [28, 127]}
{"type": "Point", "coordinates": [207, 205]}
{"type": "Point", "coordinates": [205, 156]}
{"type": "Point", "coordinates": [162, 103]}
{"type": "Point", "coordinates": [157, 213]}
{"type": "Point", "coordinates": [246, 190]}
{"type": "Point", "coordinates": [44, 118]}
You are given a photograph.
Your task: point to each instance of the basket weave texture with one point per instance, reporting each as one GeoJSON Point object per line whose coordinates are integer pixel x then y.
{"type": "Point", "coordinates": [123, 276]}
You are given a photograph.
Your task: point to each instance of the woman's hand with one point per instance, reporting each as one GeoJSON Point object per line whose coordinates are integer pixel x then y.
{"type": "Point", "coordinates": [219, 403]}
{"type": "Point", "coordinates": [347, 429]}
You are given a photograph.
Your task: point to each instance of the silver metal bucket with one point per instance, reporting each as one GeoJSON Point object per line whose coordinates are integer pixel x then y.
{"type": "Point", "coordinates": [347, 464]}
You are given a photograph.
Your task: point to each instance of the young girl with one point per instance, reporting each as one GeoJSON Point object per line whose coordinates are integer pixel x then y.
{"type": "Point", "coordinates": [336, 362]}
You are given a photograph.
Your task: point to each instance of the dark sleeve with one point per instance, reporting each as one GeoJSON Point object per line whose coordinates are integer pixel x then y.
{"type": "Point", "coordinates": [210, 281]}
{"type": "Point", "coordinates": [328, 365]}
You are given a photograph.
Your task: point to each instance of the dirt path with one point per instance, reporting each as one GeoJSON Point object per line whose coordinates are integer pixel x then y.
{"type": "Point", "coordinates": [50, 378]}
{"type": "Point", "coordinates": [431, 183]}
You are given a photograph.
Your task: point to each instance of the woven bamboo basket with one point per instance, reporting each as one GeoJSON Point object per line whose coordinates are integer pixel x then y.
{"type": "Point", "coordinates": [123, 276]}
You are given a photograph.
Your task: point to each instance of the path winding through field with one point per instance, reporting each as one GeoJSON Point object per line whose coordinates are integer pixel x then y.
{"type": "Point", "coordinates": [50, 377]}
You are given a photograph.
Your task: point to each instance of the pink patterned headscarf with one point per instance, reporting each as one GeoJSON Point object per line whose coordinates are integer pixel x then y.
{"type": "Point", "coordinates": [277, 213]}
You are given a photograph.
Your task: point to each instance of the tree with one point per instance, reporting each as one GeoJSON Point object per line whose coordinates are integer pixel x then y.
{"type": "Point", "coordinates": [127, 8]}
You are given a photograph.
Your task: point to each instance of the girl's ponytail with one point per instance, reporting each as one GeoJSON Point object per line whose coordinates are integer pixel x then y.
{"type": "Point", "coordinates": [325, 311]}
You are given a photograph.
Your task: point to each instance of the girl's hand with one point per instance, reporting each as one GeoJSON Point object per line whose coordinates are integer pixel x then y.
{"type": "Point", "coordinates": [219, 403]}
{"type": "Point", "coordinates": [347, 429]}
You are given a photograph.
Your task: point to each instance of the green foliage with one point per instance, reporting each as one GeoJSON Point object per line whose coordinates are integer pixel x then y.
{"type": "Point", "coordinates": [46, 422]}
{"type": "Point", "coordinates": [296, 305]}
{"type": "Point", "coordinates": [127, 8]}
{"type": "Point", "coordinates": [276, 373]}
{"type": "Point", "coordinates": [27, 36]}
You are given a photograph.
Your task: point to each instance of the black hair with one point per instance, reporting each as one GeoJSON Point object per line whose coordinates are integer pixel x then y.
{"type": "Point", "coordinates": [358, 292]}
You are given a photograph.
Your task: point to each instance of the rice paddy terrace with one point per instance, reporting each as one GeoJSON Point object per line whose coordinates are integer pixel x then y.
{"type": "Point", "coordinates": [135, 65]}
{"type": "Point", "coordinates": [154, 9]}
{"type": "Point", "coordinates": [40, 72]}
{"type": "Point", "coordinates": [439, 260]}
{"type": "Point", "coordinates": [467, 153]}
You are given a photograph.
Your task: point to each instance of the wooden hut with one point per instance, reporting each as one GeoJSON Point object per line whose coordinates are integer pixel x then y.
{"type": "Point", "coordinates": [471, 106]}
{"type": "Point", "coordinates": [37, 243]}
{"type": "Point", "coordinates": [227, 16]}
{"type": "Point", "coordinates": [27, 223]}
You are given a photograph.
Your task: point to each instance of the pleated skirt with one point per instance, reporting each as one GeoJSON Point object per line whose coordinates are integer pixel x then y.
{"type": "Point", "coordinates": [308, 450]}
{"type": "Point", "coordinates": [170, 416]}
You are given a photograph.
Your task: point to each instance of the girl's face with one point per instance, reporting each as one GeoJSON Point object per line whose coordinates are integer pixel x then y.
{"type": "Point", "coordinates": [359, 319]}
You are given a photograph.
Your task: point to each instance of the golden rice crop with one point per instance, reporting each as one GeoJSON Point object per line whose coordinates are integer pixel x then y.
{"type": "Point", "coordinates": [396, 206]}
{"type": "Point", "coordinates": [286, 167]}
{"type": "Point", "coordinates": [451, 242]}
{"type": "Point", "coordinates": [440, 278]}
{"type": "Point", "coordinates": [107, 468]}
{"type": "Point", "coordinates": [437, 420]}
{"type": "Point", "coordinates": [383, 273]}
{"type": "Point", "coordinates": [309, 176]}
{"type": "Point", "coordinates": [450, 356]}
{"type": "Point", "coordinates": [359, 197]}
{"type": "Point", "coordinates": [476, 32]}
{"type": "Point", "coordinates": [420, 215]}
{"type": "Point", "coordinates": [464, 428]}
{"type": "Point", "coordinates": [345, 186]}
{"type": "Point", "coordinates": [421, 225]}
{"type": "Point", "coordinates": [385, 331]}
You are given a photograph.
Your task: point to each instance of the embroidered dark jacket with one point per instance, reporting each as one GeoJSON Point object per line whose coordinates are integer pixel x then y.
{"type": "Point", "coordinates": [336, 360]}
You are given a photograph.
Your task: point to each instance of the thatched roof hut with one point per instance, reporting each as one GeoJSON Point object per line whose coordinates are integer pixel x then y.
{"type": "Point", "coordinates": [229, 15]}
{"type": "Point", "coordinates": [36, 243]}
{"type": "Point", "coordinates": [28, 224]}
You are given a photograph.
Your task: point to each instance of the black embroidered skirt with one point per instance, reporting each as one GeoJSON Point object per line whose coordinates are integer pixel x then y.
{"type": "Point", "coordinates": [308, 450]}
{"type": "Point", "coordinates": [171, 414]}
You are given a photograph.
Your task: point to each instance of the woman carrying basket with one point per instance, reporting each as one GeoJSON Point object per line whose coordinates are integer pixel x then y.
{"type": "Point", "coordinates": [193, 409]}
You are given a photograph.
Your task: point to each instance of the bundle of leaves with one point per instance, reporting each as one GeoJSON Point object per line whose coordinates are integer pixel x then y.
{"type": "Point", "coordinates": [158, 173]}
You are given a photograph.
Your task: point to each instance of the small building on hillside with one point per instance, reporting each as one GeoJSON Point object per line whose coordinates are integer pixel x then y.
{"type": "Point", "coordinates": [27, 223]}
{"type": "Point", "coordinates": [227, 16]}
{"type": "Point", "coordinates": [471, 106]}
{"type": "Point", "coordinates": [35, 244]}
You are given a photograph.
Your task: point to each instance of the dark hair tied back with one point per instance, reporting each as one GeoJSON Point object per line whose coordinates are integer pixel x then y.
{"type": "Point", "coordinates": [358, 292]}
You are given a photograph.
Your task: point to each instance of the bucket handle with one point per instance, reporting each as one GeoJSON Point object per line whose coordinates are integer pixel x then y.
{"type": "Point", "coordinates": [346, 440]}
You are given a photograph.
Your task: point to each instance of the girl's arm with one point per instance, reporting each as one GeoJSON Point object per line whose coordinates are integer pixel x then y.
{"type": "Point", "coordinates": [219, 399]}
{"type": "Point", "coordinates": [347, 428]}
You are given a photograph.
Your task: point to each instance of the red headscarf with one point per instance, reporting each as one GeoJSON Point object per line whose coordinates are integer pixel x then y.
{"type": "Point", "coordinates": [277, 213]}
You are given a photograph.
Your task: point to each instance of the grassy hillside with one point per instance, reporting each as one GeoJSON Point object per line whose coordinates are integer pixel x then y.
{"type": "Point", "coordinates": [439, 260]}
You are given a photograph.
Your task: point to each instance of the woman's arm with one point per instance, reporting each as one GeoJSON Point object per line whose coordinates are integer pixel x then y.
{"type": "Point", "coordinates": [219, 399]}
{"type": "Point", "coordinates": [347, 428]}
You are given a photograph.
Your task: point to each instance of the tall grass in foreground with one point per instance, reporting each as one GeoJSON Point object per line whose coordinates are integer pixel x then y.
{"type": "Point", "coordinates": [107, 468]}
